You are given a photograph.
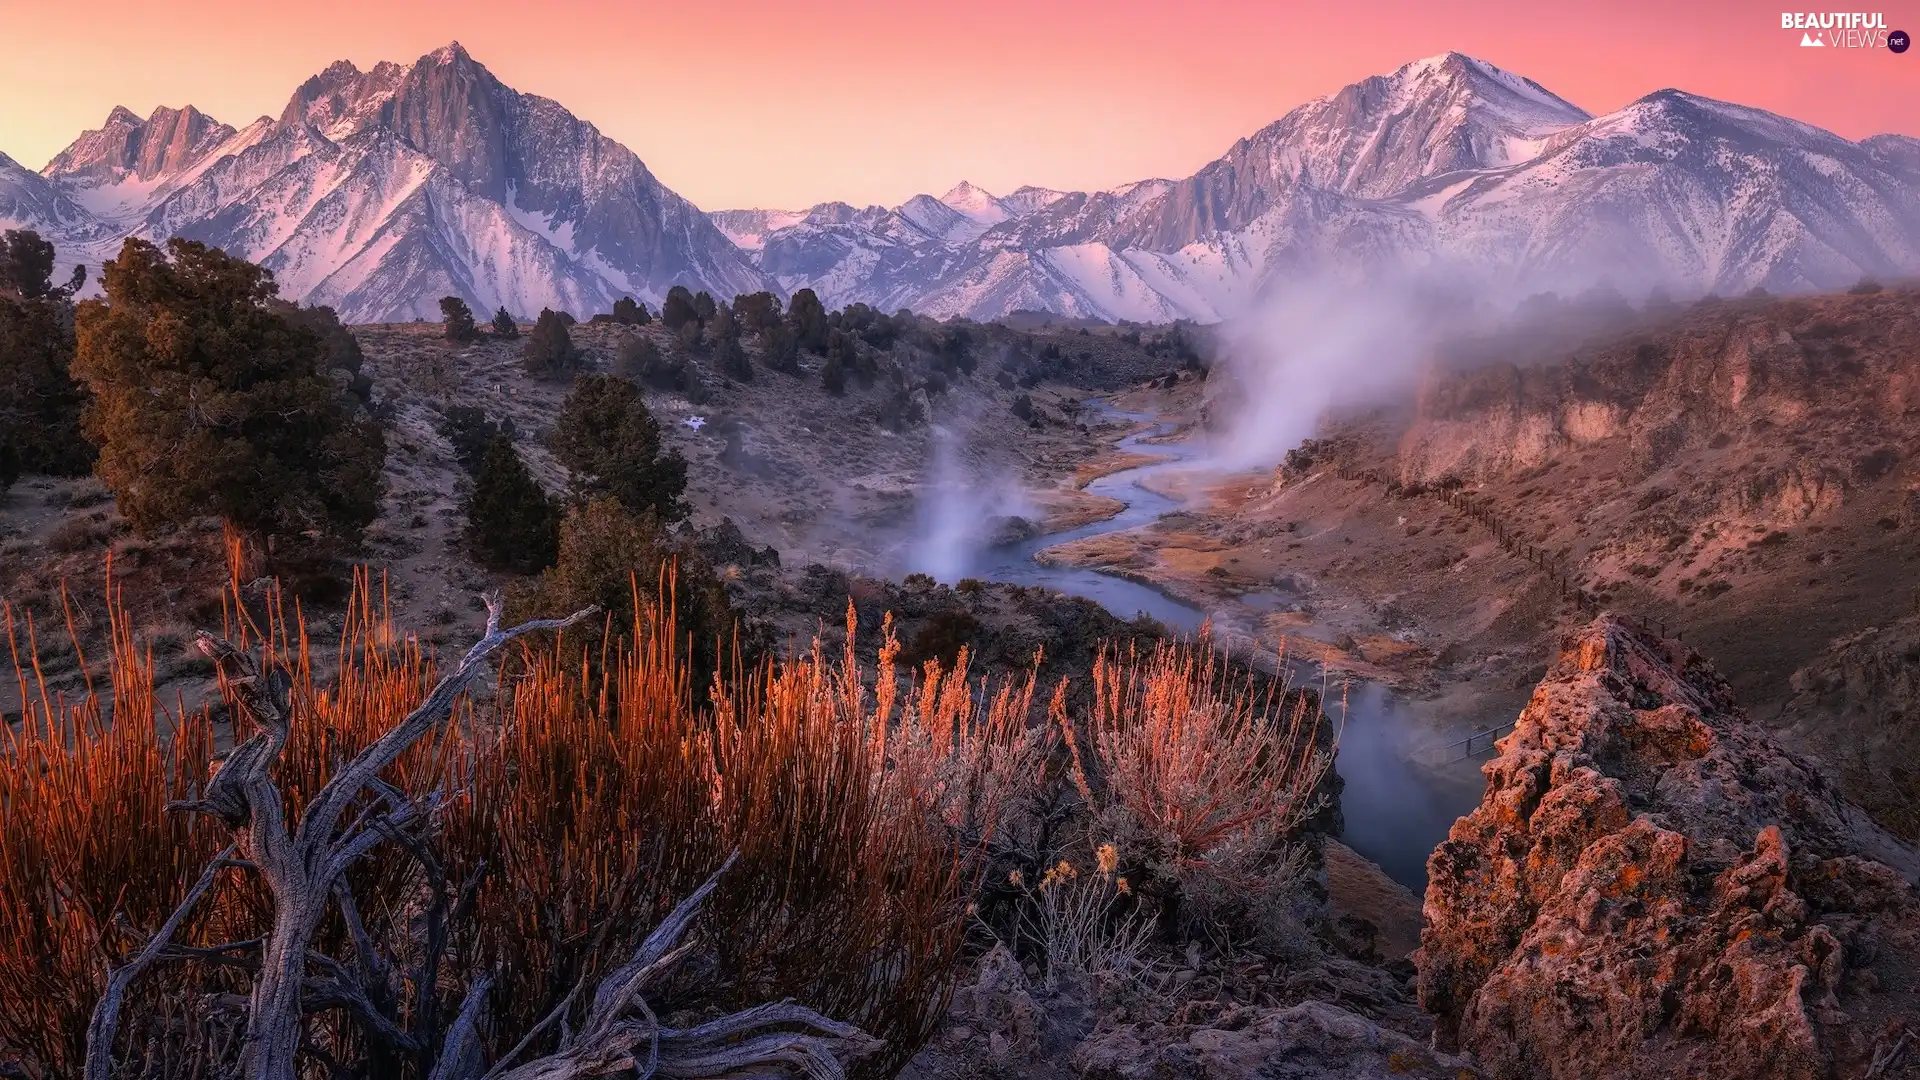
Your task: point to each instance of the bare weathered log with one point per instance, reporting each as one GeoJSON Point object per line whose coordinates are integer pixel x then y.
{"type": "Point", "coordinates": [304, 869]}
{"type": "Point", "coordinates": [301, 866]}
{"type": "Point", "coordinates": [775, 1038]}
{"type": "Point", "coordinates": [105, 1021]}
{"type": "Point", "coordinates": [300, 869]}
{"type": "Point", "coordinates": [461, 1055]}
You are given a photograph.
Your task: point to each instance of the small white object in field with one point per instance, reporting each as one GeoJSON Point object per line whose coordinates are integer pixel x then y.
{"type": "Point", "coordinates": [695, 422]}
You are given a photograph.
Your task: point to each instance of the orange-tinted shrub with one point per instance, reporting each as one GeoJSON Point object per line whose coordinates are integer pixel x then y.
{"type": "Point", "coordinates": [579, 800]}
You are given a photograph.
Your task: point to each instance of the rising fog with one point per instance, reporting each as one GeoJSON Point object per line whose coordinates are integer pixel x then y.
{"type": "Point", "coordinates": [1320, 344]}
{"type": "Point", "coordinates": [959, 511]}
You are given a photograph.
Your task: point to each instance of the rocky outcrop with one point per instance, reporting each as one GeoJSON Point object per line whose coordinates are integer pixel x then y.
{"type": "Point", "coordinates": [1007, 1024]}
{"type": "Point", "coordinates": [1652, 888]}
{"type": "Point", "coordinates": [1831, 376]}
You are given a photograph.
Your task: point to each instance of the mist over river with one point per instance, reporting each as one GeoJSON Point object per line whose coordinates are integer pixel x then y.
{"type": "Point", "coordinates": [1395, 811]}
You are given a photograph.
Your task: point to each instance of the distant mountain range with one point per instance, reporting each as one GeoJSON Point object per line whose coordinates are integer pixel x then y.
{"type": "Point", "coordinates": [380, 191]}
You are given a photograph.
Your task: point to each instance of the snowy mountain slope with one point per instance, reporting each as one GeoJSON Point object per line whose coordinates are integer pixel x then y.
{"type": "Point", "coordinates": [1447, 162]}
{"type": "Point", "coordinates": [1695, 193]}
{"type": "Point", "coordinates": [381, 191]}
{"type": "Point", "coordinates": [29, 201]}
{"type": "Point", "coordinates": [749, 228]}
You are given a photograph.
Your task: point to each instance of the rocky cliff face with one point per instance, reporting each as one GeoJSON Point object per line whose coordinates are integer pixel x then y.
{"type": "Point", "coordinates": [1858, 705]}
{"type": "Point", "coordinates": [1835, 369]}
{"type": "Point", "coordinates": [129, 148]}
{"type": "Point", "coordinates": [1744, 470]}
{"type": "Point", "coordinates": [1652, 888]}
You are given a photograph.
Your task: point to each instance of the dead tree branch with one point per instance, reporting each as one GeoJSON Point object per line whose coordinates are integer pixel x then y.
{"type": "Point", "coordinates": [106, 1012]}
{"type": "Point", "coordinates": [304, 869]}
{"type": "Point", "coordinates": [300, 866]}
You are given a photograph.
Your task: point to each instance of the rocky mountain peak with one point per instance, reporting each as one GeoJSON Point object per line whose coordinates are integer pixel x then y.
{"type": "Point", "coordinates": [342, 100]}
{"type": "Point", "coordinates": [126, 146]}
{"type": "Point", "coordinates": [451, 53]}
{"type": "Point", "coordinates": [1441, 114]}
{"type": "Point", "coordinates": [968, 198]}
{"type": "Point", "coordinates": [452, 108]}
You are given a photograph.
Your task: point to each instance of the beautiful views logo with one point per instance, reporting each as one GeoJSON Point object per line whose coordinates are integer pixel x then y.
{"type": "Point", "coordinates": [1838, 29]}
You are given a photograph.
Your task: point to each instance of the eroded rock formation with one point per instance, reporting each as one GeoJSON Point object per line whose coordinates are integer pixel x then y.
{"type": "Point", "coordinates": [1653, 888]}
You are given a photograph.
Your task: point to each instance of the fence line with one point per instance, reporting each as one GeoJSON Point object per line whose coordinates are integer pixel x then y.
{"type": "Point", "coordinates": [1558, 570]}
{"type": "Point", "coordinates": [1474, 745]}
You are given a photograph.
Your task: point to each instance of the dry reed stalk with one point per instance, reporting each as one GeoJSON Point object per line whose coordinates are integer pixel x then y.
{"type": "Point", "coordinates": [88, 851]}
{"type": "Point", "coordinates": [572, 810]}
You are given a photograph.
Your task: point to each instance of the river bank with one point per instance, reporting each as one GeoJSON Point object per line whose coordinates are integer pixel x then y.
{"type": "Point", "coordinates": [1396, 810]}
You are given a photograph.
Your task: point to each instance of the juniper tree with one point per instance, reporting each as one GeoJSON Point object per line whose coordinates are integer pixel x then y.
{"type": "Point", "coordinates": [612, 446]}
{"type": "Point", "coordinates": [504, 325]}
{"type": "Point", "coordinates": [780, 348]}
{"type": "Point", "coordinates": [26, 268]}
{"type": "Point", "coordinates": [40, 404]}
{"type": "Point", "coordinates": [512, 524]}
{"type": "Point", "coordinates": [472, 433]}
{"type": "Point", "coordinates": [678, 309]}
{"type": "Point", "coordinates": [607, 552]}
{"type": "Point", "coordinates": [722, 327]}
{"type": "Point", "coordinates": [549, 351]}
{"type": "Point", "coordinates": [756, 311]}
{"type": "Point", "coordinates": [458, 318]}
{"type": "Point", "coordinates": [843, 349]}
{"type": "Point", "coordinates": [729, 357]}
{"type": "Point", "coordinates": [809, 319]}
{"type": "Point", "coordinates": [731, 360]}
{"type": "Point", "coordinates": [207, 400]}
{"type": "Point", "coordinates": [640, 360]}
{"type": "Point", "coordinates": [630, 312]}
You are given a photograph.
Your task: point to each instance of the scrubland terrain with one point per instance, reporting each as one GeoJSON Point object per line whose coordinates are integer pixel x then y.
{"type": "Point", "coordinates": [1741, 473]}
{"type": "Point", "coordinates": [1090, 854]}
{"type": "Point", "coordinates": [817, 476]}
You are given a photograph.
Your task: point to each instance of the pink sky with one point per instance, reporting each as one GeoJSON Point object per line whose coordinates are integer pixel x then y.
{"type": "Point", "coordinates": [791, 103]}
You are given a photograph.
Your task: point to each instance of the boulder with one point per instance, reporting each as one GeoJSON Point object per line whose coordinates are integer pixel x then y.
{"type": "Point", "coordinates": [1652, 887]}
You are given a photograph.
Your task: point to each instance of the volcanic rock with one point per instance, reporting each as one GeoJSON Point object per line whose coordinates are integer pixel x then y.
{"type": "Point", "coordinates": [1651, 887]}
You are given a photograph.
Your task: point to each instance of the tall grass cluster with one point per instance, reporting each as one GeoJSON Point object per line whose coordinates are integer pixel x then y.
{"type": "Point", "coordinates": [523, 850]}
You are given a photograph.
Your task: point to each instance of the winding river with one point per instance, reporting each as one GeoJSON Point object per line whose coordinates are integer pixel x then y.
{"type": "Point", "coordinates": [1395, 811]}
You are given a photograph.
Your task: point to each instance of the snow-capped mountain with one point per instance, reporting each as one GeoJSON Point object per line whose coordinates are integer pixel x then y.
{"type": "Point", "coordinates": [1448, 162]}
{"type": "Point", "coordinates": [381, 191]}
{"type": "Point", "coordinates": [30, 201]}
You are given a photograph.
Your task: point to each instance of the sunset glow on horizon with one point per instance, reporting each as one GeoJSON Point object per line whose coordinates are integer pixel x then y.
{"type": "Point", "coordinates": [787, 105]}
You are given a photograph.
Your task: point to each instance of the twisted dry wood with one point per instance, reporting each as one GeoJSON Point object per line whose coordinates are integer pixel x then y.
{"type": "Point", "coordinates": [301, 866]}
{"type": "Point", "coordinates": [768, 1040]}
{"type": "Point", "coordinates": [304, 871]}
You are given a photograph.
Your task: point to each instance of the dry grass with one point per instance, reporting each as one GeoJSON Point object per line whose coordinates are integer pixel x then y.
{"type": "Point", "coordinates": [1089, 924]}
{"type": "Point", "coordinates": [578, 807]}
{"type": "Point", "coordinates": [88, 851]}
{"type": "Point", "coordinates": [577, 802]}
